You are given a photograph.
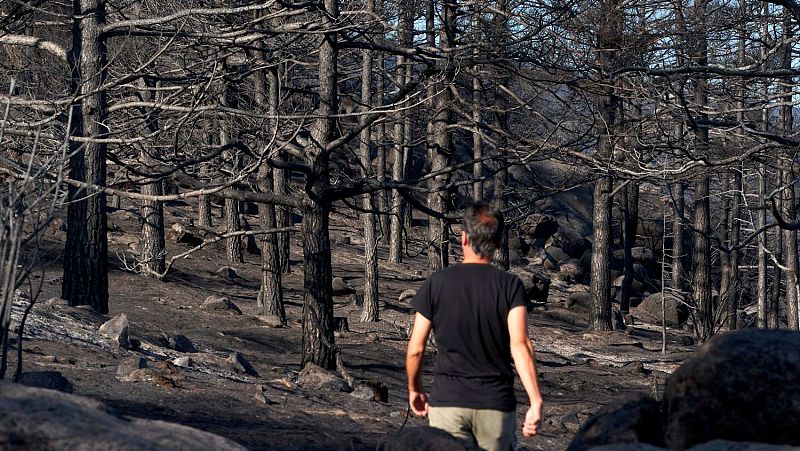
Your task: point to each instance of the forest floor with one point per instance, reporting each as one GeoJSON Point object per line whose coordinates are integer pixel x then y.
{"type": "Point", "coordinates": [579, 372]}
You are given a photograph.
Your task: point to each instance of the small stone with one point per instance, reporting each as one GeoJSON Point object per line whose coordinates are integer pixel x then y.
{"type": "Point", "coordinates": [228, 273]}
{"type": "Point", "coordinates": [407, 295]}
{"type": "Point", "coordinates": [185, 362]}
{"type": "Point", "coordinates": [220, 304]}
{"type": "Point", "coordinates": [261, 397]}
{"type": "Point", "coordinates": [371, 391]}
{"type": "Point", "coordinates": [271, 320]}
{"type": "Point", "coordinates": [117, 330]}
{"type": "Point", "coordinates": [341, 288]}
{"type": "Point", "coordinates": [181, 343]}
{"type": "Point", "coordinates": [312, 376]}
{"type": "Point", "coordinates": [362, 391]}
{"type": "Point", "coordinates": [130, 365]}
{"type": "Point", "coordinates": [241, 365]}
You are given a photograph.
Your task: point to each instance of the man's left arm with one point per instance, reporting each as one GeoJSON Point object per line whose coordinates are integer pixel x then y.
{"type": "Point", "coordinates": [415, 357]}
{"type": "Point", "coordinates": [525, 363]}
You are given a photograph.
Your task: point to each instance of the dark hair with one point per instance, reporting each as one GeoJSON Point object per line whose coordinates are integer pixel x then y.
{"type": "Point", "coordinates": [484, 227]}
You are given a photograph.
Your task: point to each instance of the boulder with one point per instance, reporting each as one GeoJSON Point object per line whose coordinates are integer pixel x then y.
{"type": "Point", "coordinates": [317, 378]}
{"type": "Point", "coordinates": [555, 254]}
{"type": "Point", "coordinates": [407, 295]}
{"type": "Point", "coordinates": [117, 330]}
{"type": "Point", "coordinates": [570, 241]}
{"type": "Point", "coordinates": [649, 310]}
{"type": "Point", "coordinates": [740, 386]}
{"type": "Point", "coordinates": [539, 227]}
{"type": "Point", "coordinates": [632, 418]}
{"type": "Point", "coordinates": [426, 438]}
{"type": "Point", "coordinates": [220, 304]}
{"type": "Point", "coordinates": [342, 288]}
{"type": "Point", "coordinates": [574, 270]}
{"type": "Point", "coordinates": [51, 380]}
{"type": "Point", "coordinates": [33, 418]}
{"type": "Point", "coordinates": [179, 233]}
{"type": "Point", "coordinates": [273, 321]}
{"type": "Point", "coordinates": [181, 343]}
{"type": "Point", "coordinates": [579, 301]}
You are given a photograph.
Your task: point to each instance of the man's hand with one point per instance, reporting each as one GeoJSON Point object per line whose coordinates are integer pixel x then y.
{"type": "Point", "coordinates": [532, 421]}
{"type": "Point", "coordinates": [418, 402]}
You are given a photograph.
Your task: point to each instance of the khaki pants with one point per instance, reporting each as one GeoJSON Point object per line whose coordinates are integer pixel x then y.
{"type": "Point", "coordinates": [490, 429]}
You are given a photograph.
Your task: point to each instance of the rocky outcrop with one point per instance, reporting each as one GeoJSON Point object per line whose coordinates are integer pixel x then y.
{"type": "Point", "coordinates": [634, 418]}
{"type": "Point", "coordinates": [649, 310]}
{"type": "Point", "coordinates": [741, 386]}
{"type": "Point", "coordinates": [48, 420]}
{"type": "Point", "coordinates": [220, 304]}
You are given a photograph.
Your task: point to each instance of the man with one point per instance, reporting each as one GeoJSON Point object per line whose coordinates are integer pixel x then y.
{"type": "Point", "coordinates": [478, 314]}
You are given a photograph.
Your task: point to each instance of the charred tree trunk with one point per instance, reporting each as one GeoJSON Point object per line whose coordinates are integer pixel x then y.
{"type": "Point", "coordinates": [735, 284]}
{"type": "Point", "coordinates": [678, 274]}
{"type": "Point", "coordinates": [631, 220]}
{"type": "Point", "coordinates": [500, 182]}
{"type": "Point", "coordinates": [701, 261]}
{"type": "Point", "coordinates": [600, 288]}
{"type": "Point", "coordinates": [402, 77]}
{"type": "Point", "coordinates": [153, 246]}
{"type": "Point", "coordinates": [608, 38]}
{"type": "Point", "coordinates": [270, 295]}
{"type": "Point", "coordinates": [204, 212]}
{"type": "Point", "coordinates": [369, 312]}
{"type": "Point", "coordinates": [439, 145]}
{"type": "Point", "coordinates": [319, 346]}
{"type": "Point", "coordinates": [86, 251]}
{"type": "Point", "coordinates": [762, 287]}
{"type": "Point", "coordinates": [233, 245]}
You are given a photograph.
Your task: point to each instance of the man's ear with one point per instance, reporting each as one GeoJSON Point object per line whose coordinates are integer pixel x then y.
{"type": "Point", "coordinates": [464, 240]}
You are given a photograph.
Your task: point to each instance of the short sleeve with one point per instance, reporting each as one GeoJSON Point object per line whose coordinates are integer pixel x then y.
{"type": "Point", "coordinates": [423, 301]}
{"type": "Point", "coordinates": [519, 296]}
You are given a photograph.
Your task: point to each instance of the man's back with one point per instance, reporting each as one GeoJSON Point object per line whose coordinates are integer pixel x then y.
{"type": "Point", "coordinates": [468, 305]}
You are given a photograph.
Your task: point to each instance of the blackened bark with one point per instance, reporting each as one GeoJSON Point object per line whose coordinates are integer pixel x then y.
{"type": "Point", "coordinates": [86, 252]}
{"type": "Point", "coordinates": [701, 259]}
{"type": "Point", "coordinates": [600, 289]}
{"type": "Point", "coordinates": [270, 295]}
{"type": "Point", "coordinates": [204, 212]}
{"type": "Point", "coordinates": [369, 310]}
{"type": "Point", "coordinates": [762, 284]}
{"type": "Point", "coordinates": [678, 212]}
{"type": "Point", "coordinates": [318, 340]}
{"type": "Point", "coordinates": [631, 220]}
{"type": "Point", "coordinates": [734, 298]}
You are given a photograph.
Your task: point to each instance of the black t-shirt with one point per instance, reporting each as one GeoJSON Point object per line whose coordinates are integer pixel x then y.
{"type": "Point", "coordinates": [468, 305]}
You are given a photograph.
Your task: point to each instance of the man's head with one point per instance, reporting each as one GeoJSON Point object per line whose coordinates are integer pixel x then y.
{"type": "Point", "coordinates": [483, 228]}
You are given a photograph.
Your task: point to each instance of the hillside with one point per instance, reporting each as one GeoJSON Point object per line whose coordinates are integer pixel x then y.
{"type": "Point", "coordinates": [267, 408]}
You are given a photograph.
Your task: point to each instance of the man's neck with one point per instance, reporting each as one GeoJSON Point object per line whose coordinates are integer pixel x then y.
{"type": "Point", "coordinates": [476, 259]}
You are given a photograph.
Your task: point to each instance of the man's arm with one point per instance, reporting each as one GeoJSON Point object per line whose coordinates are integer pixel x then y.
{"type": "Point", "coordinates": [415, 357]}
{"type": "Point", "coordinates": [524, 361]}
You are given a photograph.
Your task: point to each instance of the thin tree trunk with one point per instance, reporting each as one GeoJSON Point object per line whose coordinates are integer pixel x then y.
{"type": "Point", "coordinates": [735, 283]}
{"type": "Point", "coordinates": [402, 77]}
{"type": "Point", "coordinates": [678, 278]}
{"type": "Point", "coordinates": [369, 312]}
{"type": "Point", "coordinates": [761, 221]}
{"type": "Point", "coordinates": [789, 204]}
{"type": "Point", "coordinates": [631, 219]}
{"type": "Point", "coordinates": [500, 183]}
{"type": "Point", "coordinates": [233, 245]}
{"type": "Point", "coordinates": [600, 288]}
{"type": "Point", "coordinates": [204, 212]}
{"type": "Point", "coordinates": [701, 261]}
{"type": "Point", "coordinates": [439, 145]}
